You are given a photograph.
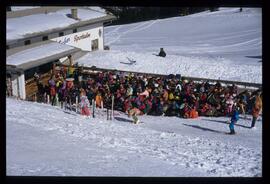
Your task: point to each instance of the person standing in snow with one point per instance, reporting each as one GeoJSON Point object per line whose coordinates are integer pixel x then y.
{"type": "Point", "coordinates": [234, 119]}
{"type": "Point", "coordinates": [256, 109]}
{"type": "Point", "coordinates": [84, 104]}
{"type": "Point", "coordinates": [52, 89]}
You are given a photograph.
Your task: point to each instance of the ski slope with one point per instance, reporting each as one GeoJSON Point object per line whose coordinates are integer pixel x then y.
{"type": "Point", "coordinates": [225, 45]}
{"type": "Point", "coordinates": [42, 140]}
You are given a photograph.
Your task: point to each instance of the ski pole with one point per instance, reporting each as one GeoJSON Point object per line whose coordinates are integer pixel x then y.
{"type": "Point", "coordinates": [107, 114]}
{"type": "Point", "coordinates": [112, 107]}
{"type": "Point", "coordinates": [93, 108]}
{"type": "Point", "coordinates": [76, 104]}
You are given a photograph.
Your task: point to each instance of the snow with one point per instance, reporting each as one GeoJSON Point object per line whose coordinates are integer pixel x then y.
{"type": "Point", "coordinates": [18, 8]}
{"type": "Point", "coordinates": [97, 8]}
{"type": "Point", "coordinates": [19, 27]}
{"type": "Point", "coordinates": [225, 44]}
{"type": "Point", "coordinates": [37, 53]}
{"type": "Point", "coordinates": [43, 140]}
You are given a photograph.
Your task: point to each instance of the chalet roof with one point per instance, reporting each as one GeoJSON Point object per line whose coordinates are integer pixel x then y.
{"type": "Point", "coordinates": [54, 20]}
{"type": "Point", "coordinates": [39, 55]}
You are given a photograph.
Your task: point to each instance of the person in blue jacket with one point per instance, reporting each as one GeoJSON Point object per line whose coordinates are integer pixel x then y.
{"type": "Point", "coordinates": [234, 119]}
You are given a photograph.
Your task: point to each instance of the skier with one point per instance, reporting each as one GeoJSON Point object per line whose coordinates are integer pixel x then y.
{"type": "Point", "coordinates": [134, 112]}
{"type": "Point", "coordinates": [84, 104]}
{"type": "Point", "coordinates": [256, 109]}
{"type": "Point", "coordinates": [234, 119]}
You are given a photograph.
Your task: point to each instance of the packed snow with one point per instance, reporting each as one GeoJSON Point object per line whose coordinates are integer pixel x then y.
{"type": "Point", "coordinates": [43, 140]}
{"type": "Point", "coordinates": [20, 26]}
{"type": "Point", "coordinates": [225, 44]}
{"type": "Point", "coordinates": [36, 53]}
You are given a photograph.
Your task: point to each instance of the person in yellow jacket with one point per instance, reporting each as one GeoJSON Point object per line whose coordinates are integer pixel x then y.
{"type": "Point", "coordinates": [256, 109]}
{"type": "Point", "coordinates": [99, 100]}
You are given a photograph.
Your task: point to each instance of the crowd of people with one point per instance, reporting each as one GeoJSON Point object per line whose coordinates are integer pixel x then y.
{"type": "Point", "coordinates": [138, 94]}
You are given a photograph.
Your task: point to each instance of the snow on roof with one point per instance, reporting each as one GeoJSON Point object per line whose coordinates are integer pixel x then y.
{"type": "Point", "coordinates": [18, 27]}
{"type": "Point", "coordinates": [97, 8]}
{"type": "Point", "coordinates": [19, 8]}
{"type": "Point", "coordinates": [37, 53]}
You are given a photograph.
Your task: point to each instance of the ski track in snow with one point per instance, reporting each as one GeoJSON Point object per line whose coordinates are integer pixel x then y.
{"type": "Point", "coordinates": [211, 156]}
{"type": "Point", "coordinates": [118, 35]}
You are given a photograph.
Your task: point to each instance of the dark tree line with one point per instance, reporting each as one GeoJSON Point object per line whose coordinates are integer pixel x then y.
{"type": "Point", "coordinates": [136, 14]}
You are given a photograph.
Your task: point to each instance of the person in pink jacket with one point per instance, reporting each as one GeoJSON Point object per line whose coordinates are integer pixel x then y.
{"type": "Point", "coordinates": [84, 104]}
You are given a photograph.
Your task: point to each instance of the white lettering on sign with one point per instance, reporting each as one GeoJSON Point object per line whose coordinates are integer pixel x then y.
{"type": "Point", "coordinates": [83, 36]}
{"type": "Point", "coordinates": [66, 40]}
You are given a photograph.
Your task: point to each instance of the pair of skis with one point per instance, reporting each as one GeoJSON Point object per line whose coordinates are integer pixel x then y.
{"type": "Point", "coordinates": [130, 62]}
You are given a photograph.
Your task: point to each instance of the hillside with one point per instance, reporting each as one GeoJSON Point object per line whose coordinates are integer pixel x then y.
{"type": "Point", "coordinates": [226, 44]}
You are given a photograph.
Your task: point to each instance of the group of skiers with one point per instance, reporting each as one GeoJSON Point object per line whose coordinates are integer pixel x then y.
{"type": "Point", "coordinates": [169, 96]}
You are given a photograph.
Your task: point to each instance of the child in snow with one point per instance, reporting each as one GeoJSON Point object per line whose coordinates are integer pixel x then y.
{"type": "Point", "coordinates": [134, 112]}
{"type": "Point", "coordinates": [99, 100]}
{"type": "Point", "coordinates": [234, 119]}
{"type": "Point", "coordinates": [229, 107]}
{"type": "Point", "coordinates": [84, 104]}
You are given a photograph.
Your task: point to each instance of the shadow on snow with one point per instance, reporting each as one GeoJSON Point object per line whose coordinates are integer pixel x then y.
{"type": "Point", "coordinates": [123, 119]}
{"type": "Point", "coordinates": [205, 129]}
{"type": "Point", "coordinates": [224, 122]}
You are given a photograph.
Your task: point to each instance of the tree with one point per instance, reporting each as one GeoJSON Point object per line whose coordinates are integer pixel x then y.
{"type": "Point", "coordinates": [212, 9]}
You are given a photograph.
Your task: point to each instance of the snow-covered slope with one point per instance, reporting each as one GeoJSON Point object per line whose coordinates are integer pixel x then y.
{"type": "Point", "coordinates": [45, 140]}
{"type": "Point", "coordinates": [225, 44]}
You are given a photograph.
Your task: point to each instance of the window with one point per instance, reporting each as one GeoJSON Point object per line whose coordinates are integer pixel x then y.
{"type": "Point", "coordinates": [61, 34]}
{"type": "Point", "coordinates": [7, 47]}
{"type": "Point", "coordinates": [99, 32]}
{"type": "Point", "coordinates": [94, 45]}
{"type": "Point", "coordinates": [44, 38]}
{"type": "Point", "coordinates": [74, 30]}
{"type": "Point", "coordinates": [27, 42]}
{"type": "Point", "coordinates": [28, 74]}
